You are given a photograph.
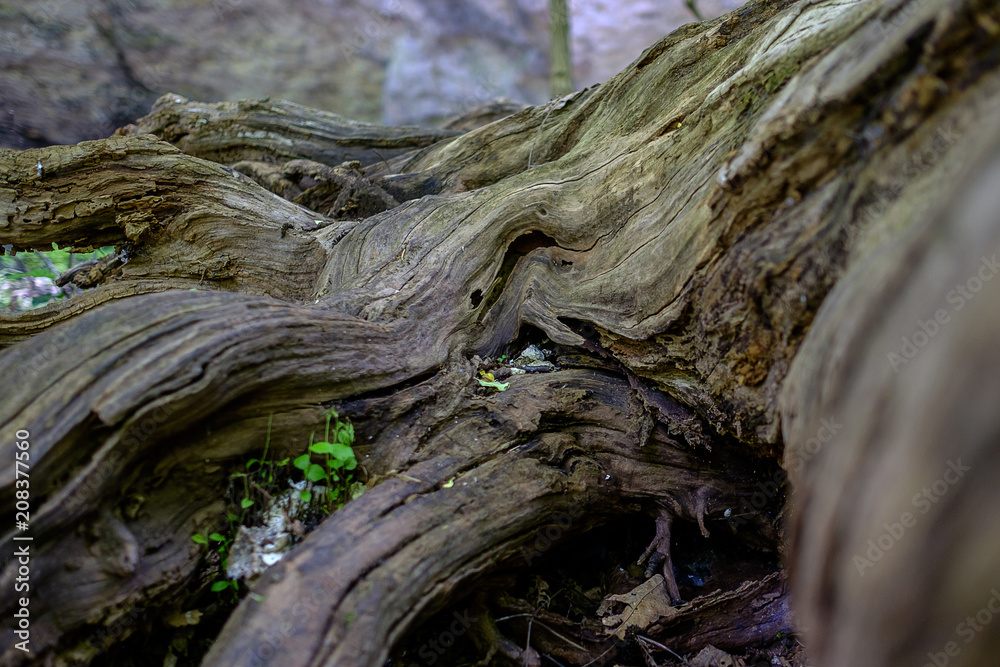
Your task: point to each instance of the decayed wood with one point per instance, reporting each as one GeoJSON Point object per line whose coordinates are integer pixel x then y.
{"type": "Point", "coordinates": [126, 191]}
{"type": "Point", "coordinates": [749, 614]}
{"type": "Point", "coordinates": [483, 114]}
{"type": "Point", "coordinates": [890, 419]}
{"type": "Point", "coordinates": [675, 230]}
{"type": "Point", "coordinates": [229, 132]}
{"type": "Point", "coordinates": [510, 475]}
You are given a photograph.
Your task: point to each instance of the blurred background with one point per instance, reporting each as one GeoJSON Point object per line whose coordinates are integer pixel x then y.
{"type": "Point", "coordinates": [72, 70]}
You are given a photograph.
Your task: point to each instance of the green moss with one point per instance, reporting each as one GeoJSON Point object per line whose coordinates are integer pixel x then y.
{"type": "Point", "coordinates": [755, 96]}
{"type": "Point", "coordinates": [777, 77]}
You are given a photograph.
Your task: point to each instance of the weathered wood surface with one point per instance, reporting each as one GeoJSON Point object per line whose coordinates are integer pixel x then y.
{"type": "Point", "coordinates": [679, 227]}
{"type": "Point", "coordinates": [229, 132]}
{"type": "Point", "coordinates": [896, 542]}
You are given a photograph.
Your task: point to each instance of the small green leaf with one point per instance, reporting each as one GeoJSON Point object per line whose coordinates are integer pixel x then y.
{"type": "Point", "coordinates": [321, 448]}
{"type": "Point", "coordinates": [200, 539]}
{"type": "Point", "coordinates": [251, 462]}
{"type": "Point", "coordinates": [306, 496]}
{"type": "Point", "coordinates": [230, 517]}
{"type": "Point", "coordinates": [283, 462]}
{"type": "Point", "coordinates": [499, 386]}
{"type": "Point", "coordinates": [341, 452]}
{"type": "Point", "coordinates": [220, 586]}
{"type": "Point", "coordinates": [315, 473]}
{"type": "Point", "coordinates": [245, 503]}
{"type": "Point", "coordinates": [301, 462]}
{"type": "Point", "coordinates": [450, 483]}
{"type": "Point", "coordinates": [345, 438]}
{"type": "Point", "coordinates": [351, 464]}
{"type": "Point", "coordinates": [256, 597]}
{"type": "Point", "coordinates": [217, 537]}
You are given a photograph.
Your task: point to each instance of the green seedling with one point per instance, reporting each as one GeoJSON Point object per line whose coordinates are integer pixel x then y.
{"type": "Point", "coordinates": [222, 549]}
{"type": "Point", "coordinates": [333, 466]}
{"type": "Point", "coordinates": [262, 463]}
{"type": "Point", "coordinates": [337, 462]}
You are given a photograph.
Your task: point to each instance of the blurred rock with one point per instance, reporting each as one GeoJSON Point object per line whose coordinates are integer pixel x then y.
{"type": "Point", "coordinates": [72, 70]}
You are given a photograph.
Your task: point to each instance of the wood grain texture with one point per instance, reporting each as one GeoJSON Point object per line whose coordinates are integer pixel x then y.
{"type": "Point", "coordinates": [675, 231]}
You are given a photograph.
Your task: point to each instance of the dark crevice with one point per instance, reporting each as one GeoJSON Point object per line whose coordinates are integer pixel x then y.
{"type": "Point", "coordinates": [517, 249]}
{"type": "Point", "coordinates": [567, 564]}
{"type": "Point", "coordinates": [528, 334]}
{"type": "Point", "coordinates": [383, 392]}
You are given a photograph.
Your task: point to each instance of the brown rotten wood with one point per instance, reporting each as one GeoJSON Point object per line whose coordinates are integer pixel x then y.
{"type": "Point", "coordinates": [673, 232]}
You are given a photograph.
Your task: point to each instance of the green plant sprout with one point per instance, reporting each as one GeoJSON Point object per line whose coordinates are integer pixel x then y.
{"type": "Point", "coordinates": [337, 461]}
{"type": "Point", "coordinates": [263, 477]}
{"type": "Point", "coordinates": [223, 582]}
{"type": "Point", "coordinates": [266, 469]}
{"type": "Point", "coordinates": [262, 463]}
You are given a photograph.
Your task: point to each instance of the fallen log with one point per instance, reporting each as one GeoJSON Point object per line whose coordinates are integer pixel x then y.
{"type": "Point", "coordinates": [668, 238]}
